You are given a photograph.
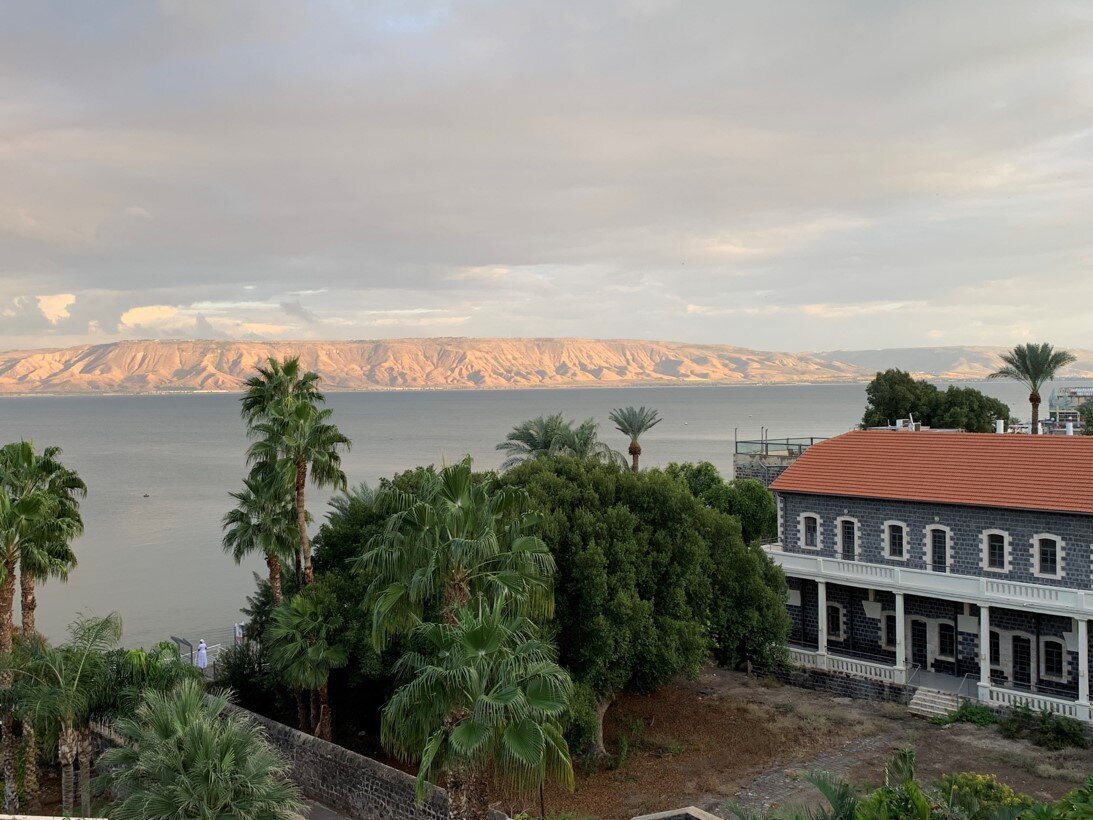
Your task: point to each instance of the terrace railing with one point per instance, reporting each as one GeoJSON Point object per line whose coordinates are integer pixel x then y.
{"type": "Point", "coordinates": [782, 447]}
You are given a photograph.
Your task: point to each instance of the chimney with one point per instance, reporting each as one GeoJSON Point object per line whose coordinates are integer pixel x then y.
{"type": "Point", "coordinates": [999, 425]}
{"type": "Point", "coordinates": [1070, 428]}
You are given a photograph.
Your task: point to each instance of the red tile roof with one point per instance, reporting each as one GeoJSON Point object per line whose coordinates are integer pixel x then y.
{"type": "Point", "coordinates": [980, 469]}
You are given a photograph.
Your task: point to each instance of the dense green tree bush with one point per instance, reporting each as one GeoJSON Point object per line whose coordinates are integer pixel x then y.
{"type": "Point", "coordinates": [895, 394]}
{"type": "Point", "coordinates": [649, 582]}
{"type": "Point", "coordinates": [746, 499]}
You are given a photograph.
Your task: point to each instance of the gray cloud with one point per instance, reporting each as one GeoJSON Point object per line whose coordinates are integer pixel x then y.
{"type": "Point", "coordinates": [796, 175]}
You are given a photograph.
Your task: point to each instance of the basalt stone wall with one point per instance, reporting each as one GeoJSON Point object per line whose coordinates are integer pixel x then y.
{"type": "Point", "coordinates": [348, 782]}
{"type": "Point", "coordinates": [761, 468]}
{"type": "Point", "coordinates": [845, 686]}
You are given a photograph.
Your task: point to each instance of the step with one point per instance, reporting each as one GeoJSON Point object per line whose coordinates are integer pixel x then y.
{"type": "Point", "coordinates": [933, 702]}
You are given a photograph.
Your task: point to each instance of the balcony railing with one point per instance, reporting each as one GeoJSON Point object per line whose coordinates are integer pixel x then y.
{"type": "Point", "coordinates": [965, 588]}
{"type": "Point", "coordinates": [783, 447]}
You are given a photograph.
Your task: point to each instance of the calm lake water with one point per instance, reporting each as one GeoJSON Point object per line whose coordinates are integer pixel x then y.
{"type": "Point", "coordinates": [157, 559]}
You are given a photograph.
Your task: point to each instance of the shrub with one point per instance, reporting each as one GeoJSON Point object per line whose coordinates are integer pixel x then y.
{"type": "Point", "coordinates": [1045, 729]}
{"type": "Point", "coordinates": [988, 794]}
{"type": "Point", "coordinates": [1075, 805]}
{"type": "Point", "coordinates": [968, 712]}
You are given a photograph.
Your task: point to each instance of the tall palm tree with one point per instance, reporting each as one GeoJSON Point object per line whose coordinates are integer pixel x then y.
{"type": "Point", "coordinates": [263, 521]}
{"type": "Point", "coordinates": [484, 698]}
{"type": "Point", "coordinates": [634, 422]}
{"type": "Point", "coordinates": [186, 756]}
{"type": "Point", "coordinates": [1033, 365]}
{"type": "Point", "coordinates": [48, 553]}
{"type": "Point", "coordinates": [455, 539]}
{"type": "Point", "coordinates": [62, 684]}
{"type": "Point", "coordinates": [25, 509]}
{"type": "Point", "coordinates": [303, 648]}
{"type": "Point", "coordinates": [275, 381]}
{"type": "Point", "coordinates": [295, 437]}
{"type": "Point", "coordinates": [532, 439]}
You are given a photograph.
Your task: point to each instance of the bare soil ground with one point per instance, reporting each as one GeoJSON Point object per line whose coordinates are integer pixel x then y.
{"type": "Point", "coordinates": [729, 739]}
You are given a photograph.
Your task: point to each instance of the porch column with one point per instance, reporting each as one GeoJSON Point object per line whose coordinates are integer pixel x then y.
{"type": "Point", "coordinates": [821, 620]}
{"type": "Point", "coordinates": [984, 651]}
{"type": "Point", "coordinates": [901, 648]}
{"type": "Point", "coordinates": [1083, 661]}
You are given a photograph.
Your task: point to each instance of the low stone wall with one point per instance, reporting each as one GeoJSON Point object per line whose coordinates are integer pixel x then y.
{"type": "Point", "coordinates": [350, 783]}
{"type": "Point", "coordinates": [845, 685]}
{"type": "Point", "coordinates": [689, 813]}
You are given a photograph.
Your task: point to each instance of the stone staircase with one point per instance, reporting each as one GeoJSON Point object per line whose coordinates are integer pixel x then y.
{"type": "Point", "coordinates": [930, 703]}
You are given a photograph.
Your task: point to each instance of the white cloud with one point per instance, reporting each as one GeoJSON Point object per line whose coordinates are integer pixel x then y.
{"type": "Point", "coordinates": [55, 306]}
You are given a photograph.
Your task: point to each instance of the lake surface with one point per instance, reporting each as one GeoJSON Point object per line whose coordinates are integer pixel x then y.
{"type": "Point", "coordinates": [157, 559]}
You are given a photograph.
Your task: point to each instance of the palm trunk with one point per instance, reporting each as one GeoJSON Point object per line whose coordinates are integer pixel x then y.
{"type": "Point", "coordinates": [31, 774]}
{"type": "Point", "coordinates": [66, 753]}
{"type": "Point", "coordinates": [313, 697]}
{"type": "Point", "coordinates": [301, 520]}
{"type": "Point", "coordinates": [599, 749]}
{"type": "Point", "coordinates": [1034, 400]}
{"type": "Point", "coordinates": [635, 454]}
{"type": "Point", "coordinates": [85, 751]}
{"type": "Point", "coordinates": [303, 711]}
{"type": "Point", "coordinates": [274, 565]}
{"type": "Point", "coordinates": [28, 601]}
{"type": "Point", "coordinates": [467, 795]}
{"type": "Point", "coordinates": [323, 725]}
{"type": "Point", "coordinates": [7, 741]}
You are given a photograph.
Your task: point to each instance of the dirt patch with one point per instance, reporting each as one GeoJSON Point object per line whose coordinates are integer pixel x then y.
{"type": "Point", "coordinates": [726, 738]}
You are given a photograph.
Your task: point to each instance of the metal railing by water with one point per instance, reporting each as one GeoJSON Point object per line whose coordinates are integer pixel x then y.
{"type": "Point", "coordinates": [787, 447]}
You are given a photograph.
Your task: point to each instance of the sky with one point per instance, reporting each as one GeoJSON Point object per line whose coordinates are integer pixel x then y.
{"type": "Point", "coordinates": [793, 175]}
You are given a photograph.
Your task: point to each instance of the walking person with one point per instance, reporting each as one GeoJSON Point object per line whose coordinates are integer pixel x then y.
{"type": "Point", "coordinates": [202, 654]}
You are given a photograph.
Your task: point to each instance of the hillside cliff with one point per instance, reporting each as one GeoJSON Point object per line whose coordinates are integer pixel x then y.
{"type": "Point", "coordinates": [163, 366]}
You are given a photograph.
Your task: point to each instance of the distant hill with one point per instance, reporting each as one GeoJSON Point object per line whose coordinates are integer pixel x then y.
{"type": "Point", "coordinates": [165, 366]}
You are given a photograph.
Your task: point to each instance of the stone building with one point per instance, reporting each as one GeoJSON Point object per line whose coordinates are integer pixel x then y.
{"type": "Point", "coordinates": [953, 563]}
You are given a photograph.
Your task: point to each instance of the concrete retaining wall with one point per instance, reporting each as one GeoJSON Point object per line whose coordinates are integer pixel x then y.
{"type": "Point", "coordinates": [350, 783]}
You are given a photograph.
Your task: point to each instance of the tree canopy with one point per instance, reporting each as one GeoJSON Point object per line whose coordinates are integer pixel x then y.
{"type": "Point", "coordinates": [746, 499]}
{"type": "Point", "coordinates": [896, 394]}
{"type": "Point", "coordinates": [650, 581]}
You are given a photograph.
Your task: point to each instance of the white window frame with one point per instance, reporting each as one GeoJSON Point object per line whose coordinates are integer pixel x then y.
{"type": "Point", "coordinates": [956, 641]}
{"type": "Point", "coordinates": [1044, 675]}
{"type": "Point", "coordinates": [1002, 659]}
{"type": "Point", "coordinates": [839, 536]}
{"type": "Point", "coordinates": [928, 546]}
{"type": "Point", "coordinates": [985, 550]}
{"type": "Point", "coordinates": [888, 547]}
{"type": "Point", "coordinates": [842, 621]}
{"type": "Point", "coordinates": [1060, 554]}
{"type": "Point", "coordinates": [819, 531]}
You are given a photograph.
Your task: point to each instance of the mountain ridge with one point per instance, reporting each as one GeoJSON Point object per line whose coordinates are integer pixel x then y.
{"type": "Point", "coordinates": [164, 366]}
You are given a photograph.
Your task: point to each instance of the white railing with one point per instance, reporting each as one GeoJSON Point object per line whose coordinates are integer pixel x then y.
{"type": "Point", "coordinates": [1010, 698]}
{"type": "Point", "coordinates": [802, 657]}
{"type": "Point", "coordinates": [861, 669]}
{"type": "Point", "coordinates": [966, 588]}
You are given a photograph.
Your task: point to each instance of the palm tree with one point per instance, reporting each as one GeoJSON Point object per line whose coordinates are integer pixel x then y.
{"type": "Point", "coordinates": [48, 553]}
{"type": "Point", "coordinates": [634, 422]}
{"type": "Point", "coordinates": [484, 698]}
{"type": "Point", "coordinates": [455, 539]}
{"type": "Point", "coordinates": [295, 437]}
{"type": "Point", "coordinates": [44, 552]}
{"type": "Point", "coordinates": [533, 438]}
{"type": "Point", "coordinates": [61, 685]}
{"type": "Point", "coordinates": [303, 648]}
{"type": "Point", "coordinates": [264, 521]}
{"type": "Point", "coordinates": [186, 756]}
{"type": "Point", "coordinates": [25, 510]}
{"type": "Point", "coordinates": [1033, 365]}
{"type": "Point", "coordinates": [276, 381]}
{"type": "Point", "coordinates": [583, 442]}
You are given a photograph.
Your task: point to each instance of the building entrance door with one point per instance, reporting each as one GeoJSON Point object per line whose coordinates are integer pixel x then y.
{"type": "Point", "coordinates": [918, 644]}
{"type": "Point", "coordinates": [1022, 661]}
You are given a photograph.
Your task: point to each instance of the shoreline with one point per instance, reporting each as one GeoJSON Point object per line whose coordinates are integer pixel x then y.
{"type": "Point", "coordinates": [486, 389]}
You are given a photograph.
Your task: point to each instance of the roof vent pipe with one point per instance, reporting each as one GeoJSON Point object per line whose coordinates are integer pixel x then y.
{"type": "Point", "coordinates": [999, 425]}
{"type": "Point", "coordinates": [1070, 428]}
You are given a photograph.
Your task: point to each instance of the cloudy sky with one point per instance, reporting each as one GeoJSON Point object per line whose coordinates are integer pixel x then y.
{"type": "Point", "coordinates": [790, 175]}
